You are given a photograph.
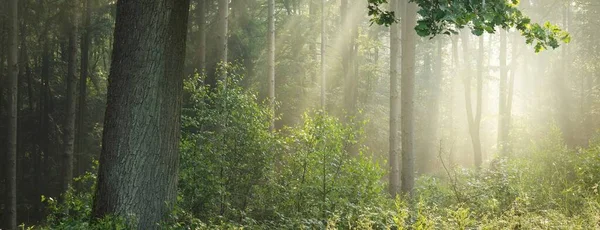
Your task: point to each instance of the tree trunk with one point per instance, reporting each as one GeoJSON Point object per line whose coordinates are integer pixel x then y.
{"type": "Point", "coordinates": [503, 94]}
{"type": "Point", "coordinates": [82, 157]}
{"type": "Point", "coordinates": [473, 120]}
{"type": "Point", "coordinates": [323, 69]}
{"type": "Point", "coordinates": [394, 165]}
{"type": "Point", "coordinates": [71, 80]}
{"type": "Point", "coordinates": [12, 80]}
{"type": "Point", "coordinates": [271, 69]}
{"type": "Point", "coordinates": [215, 73]}
{"type": "Point", "coordinates": [407, 92]}
{"type": "Point", "coordinates": [202, 35]}
{"type": "Point", "coordinates": [137, 177]}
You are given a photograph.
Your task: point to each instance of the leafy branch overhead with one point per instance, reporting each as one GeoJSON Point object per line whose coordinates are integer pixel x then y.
{"type": "Point", "coordinates": [449, 16]}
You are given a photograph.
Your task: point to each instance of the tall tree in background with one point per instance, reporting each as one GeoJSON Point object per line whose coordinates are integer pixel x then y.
{"type": "Point", "coordinates": [69, 130]}
{"type": "Point", "coordinates": [221, 49]}
{"type": "Point", "coordinates": [474, 120]}
{"type": "Point", "coordinates": [407, 91]}
{"type": "Point", "coordinates": [137, 177]}
{"type": "Point", "coordinates": [201, 7]}
{"type": "Point", "coordinates": [323, 45]}
{"type": "Point", "coordinates": [563, 99]}
{"type": "Point", "coordinates": [223, 34]}
{"type": "Point", "coordinates": [82, 159]}
{"type": "Point", "coordinates": [394, 165]}
{"type": "Point", "coordinates": [12, 80]}
{"type": "Point", "coordinates": [503, 96]}
{"type": "Point", "coordinates": [271, 53]}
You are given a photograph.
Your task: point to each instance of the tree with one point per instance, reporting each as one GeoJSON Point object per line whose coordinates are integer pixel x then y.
{"type": "Point", "coordinates": [323, 63]}
{"type": "Point", "coordinates": [201, 35]}
{"type": "Point", "coordinates": [137, 176]}
{"type": "Point", "coordinates": [271, 51]}
{"type": "Point", "coordinates": [11, 154]}
{"type": "Point", "coordinates": [474, 120]}
{"type": "Point", "coordinates": [69, 130]}
{"type": "Point", "coordinates": [394, 165]}
{"type": "Point", "coordinates": [503, 96]}
{"type": "Point", "coordinates": [84, 72]}
{"type": "Point", "coordinates": [407, 96]}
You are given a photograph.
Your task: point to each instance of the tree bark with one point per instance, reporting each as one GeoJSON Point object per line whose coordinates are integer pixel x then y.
{"type": "Point", "coordinates": [71, 80]}
{"type": "Point", "coordinates": [407, 92]}
{"type": "Point", "coordinates": [12, 80]}
{"type": "Point", "coordinates": [394, 166]}
{"type": "Point", "coordinates": [137, 178]}
{"type": "Point", "coordinates": [271, 68]}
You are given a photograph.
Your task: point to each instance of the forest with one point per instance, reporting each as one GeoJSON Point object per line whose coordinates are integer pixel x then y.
{"type": "Point", "coordinates": [299, 114]}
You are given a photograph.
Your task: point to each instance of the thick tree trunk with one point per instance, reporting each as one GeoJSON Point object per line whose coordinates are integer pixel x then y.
{"type": "Point", "coordinates": [82, 157]}
{"type": "Point", "coordinates": [407, 92]}
{"type": "Point", "coordinates": [323, 63]}
{"type": "Point", "coordinates": [271, 60]}
{"type": "Point", "coordinates": [137, 177]}
{"type": "Point", "coordinates": [71, 80]}
{"type": "Point", "coordinates": [393, 161]}
{"type": "Point", "coordinates": [11, 154]}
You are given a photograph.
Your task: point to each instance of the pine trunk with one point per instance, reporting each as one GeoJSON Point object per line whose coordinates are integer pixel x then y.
{"type": "Point", "coordinates": [271, 69]}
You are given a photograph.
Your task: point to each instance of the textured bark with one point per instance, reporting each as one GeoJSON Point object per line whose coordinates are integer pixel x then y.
{"type": "Point", "coordinates": [323, 63]}
{"type": "Point", "coordinates": [503, 94]}
{"type": "Point", "coordinates": [82, 157]}
{"type": "Point", "coordinates": [71, 80]}
{"type": "Point", "coordinates": [271, 53]}
{"type": "Point", "coordinates": [407, 92]}
{"type": "Point", "coordinates": [12, 83]}
{"type": "Point", "coordinates": [201, 35]}
{"type": "Point", "coordinates": [394, 165]}
{"type": "Point", "coordinates": [137, 177]}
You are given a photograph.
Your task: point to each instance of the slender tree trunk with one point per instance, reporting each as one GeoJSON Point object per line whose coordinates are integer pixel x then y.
{"type": "Point", "coordinates": [82, 159]}
{"type": "Point", "coordinates": [473, 120]}
{"type": "Point", "coordinates": [394, 151]}
{"type": "Point", "coordinates": [503, 95]}
{"type": "Point", "coordinates": [562, 90]}
{"type": "Point", "coordinates": [271, 69]}
{"type": "Point", "coordinates": [11, 155]}
{"type": "Point", "coordinates": [214, 73]}
{"type": "Point", "coordinates": [511, 89]}
{"type": "Point", "coordinates": [69, 130]}
{"type": "Point", "coordinates": [323, 63]}
{"type": "Point", "coordinates": [407, 92]}
{"type": "Point", "coordinates": [137, 177]}
{"type": "Point", "coordinates": [223, 34]}
{"type": "Point", "coordinates": [202, 35]}
{"type": "Point", "coordinates": [312, 12]}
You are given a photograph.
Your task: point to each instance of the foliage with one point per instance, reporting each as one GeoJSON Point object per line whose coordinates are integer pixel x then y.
{"type": "Point", "coordinates": [448, 17]}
